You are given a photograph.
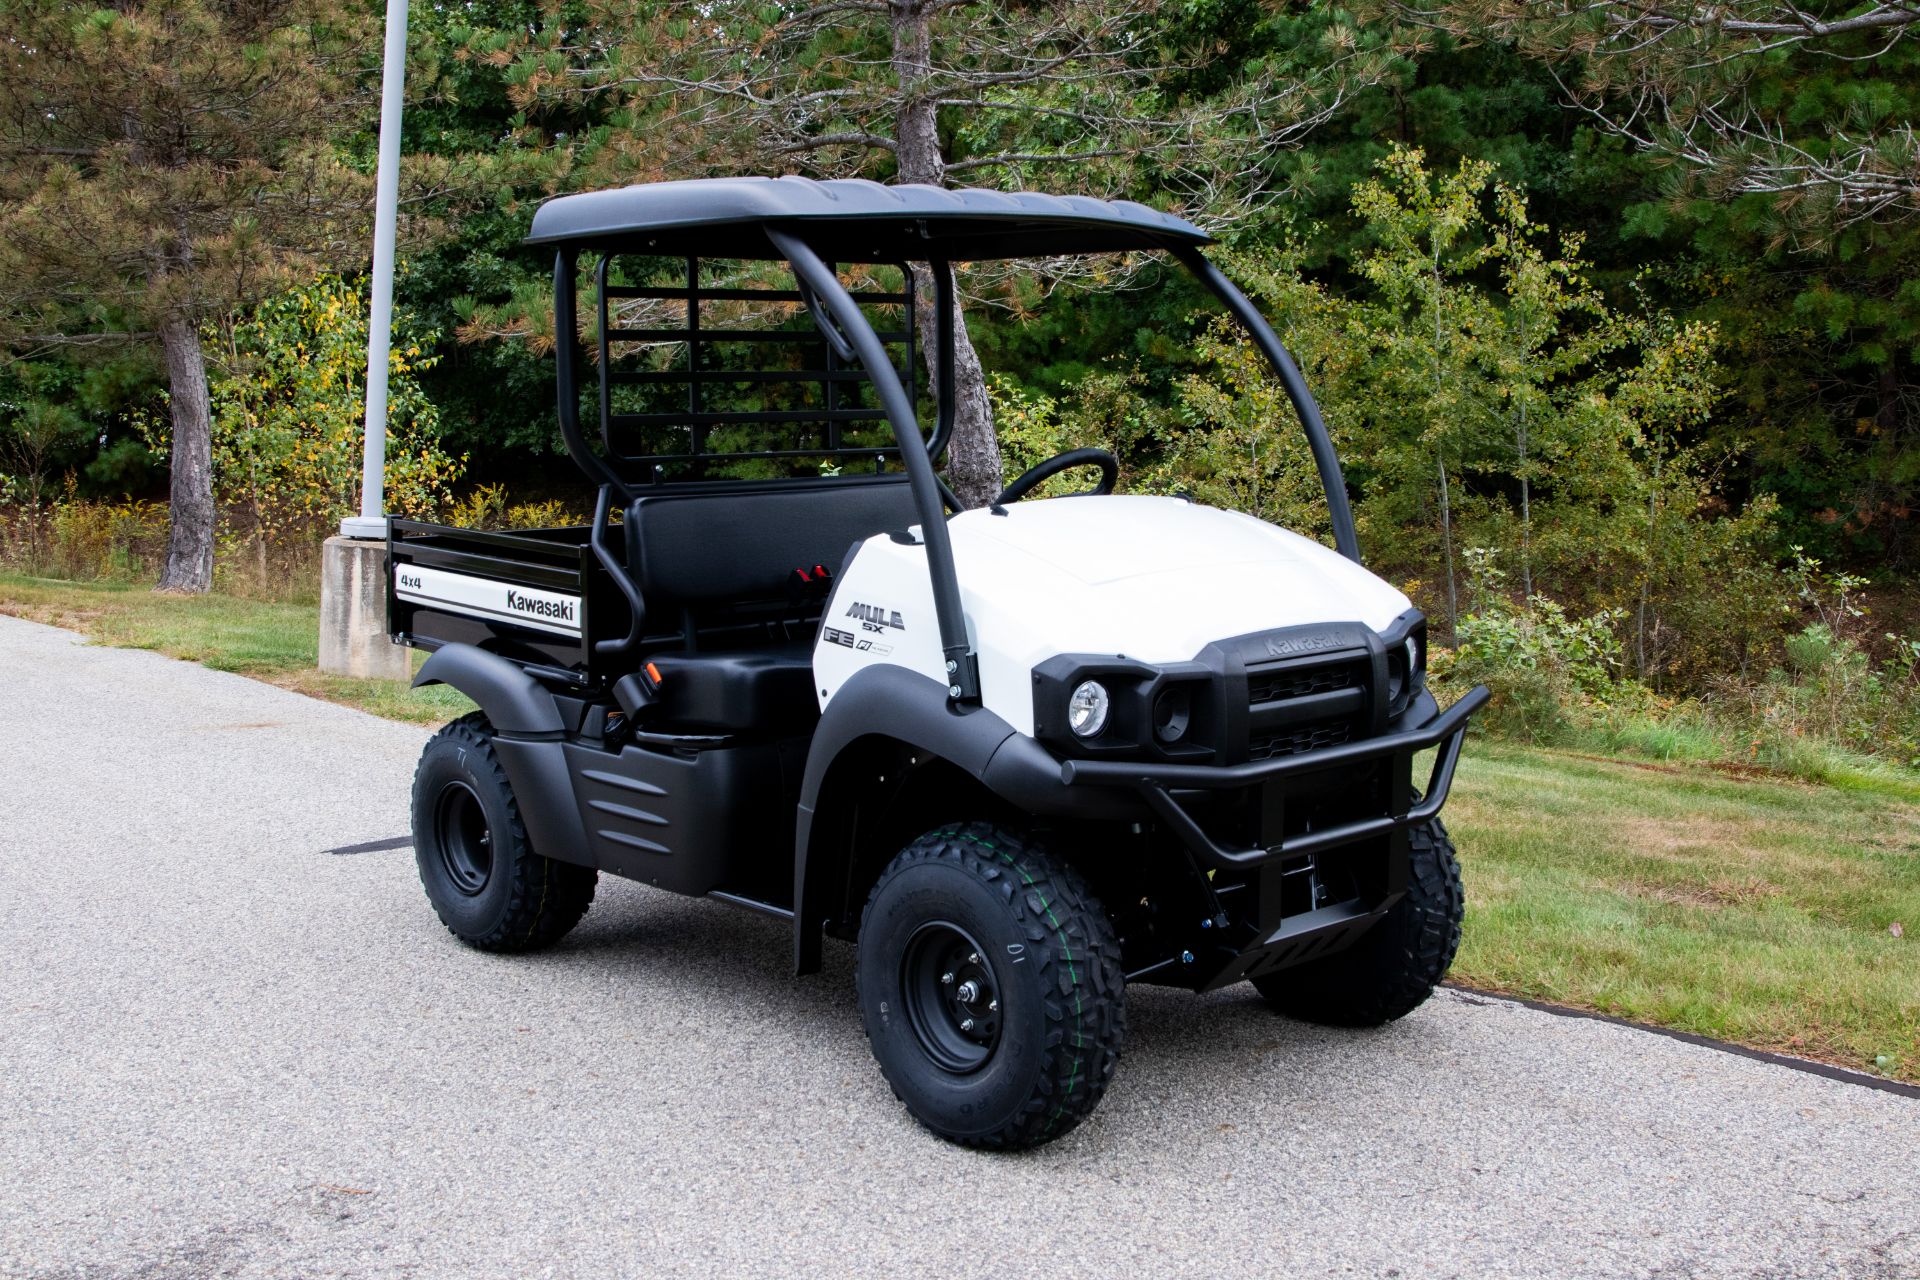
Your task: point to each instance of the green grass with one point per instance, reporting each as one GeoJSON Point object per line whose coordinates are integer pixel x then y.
{"type": "Point", "coordinates": [1678, 738]}
{"type": "Point", "coordinates": [268, 640]}
{"type": "Point", "coordinates": [1750, 908]}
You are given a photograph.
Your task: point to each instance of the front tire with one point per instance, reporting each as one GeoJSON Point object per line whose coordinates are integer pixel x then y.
{"type": "Point", "coordinates": [480, 871]}
{"type": "Point", "coordinates": [991, 987]}
{"type": "Point", "coordinates": [1392, 970]}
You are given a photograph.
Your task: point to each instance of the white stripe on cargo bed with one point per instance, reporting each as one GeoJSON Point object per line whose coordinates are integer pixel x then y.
{"type": "Point", "coordinates": [490, 599]}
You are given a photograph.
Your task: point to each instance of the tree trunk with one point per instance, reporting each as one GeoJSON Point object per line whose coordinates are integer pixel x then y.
{"type": "Point", "coordinates": [189, 566]}
{"type": "Point", "coordinates": [1526, 488]}
{"type": "Point", "coordinates": [1526, 512]}
{"type": "Point", "coordinates": [973, 454]}
{"type": "Point", "coordinates": [1446, 536]}
{"type": "Point", "coordinates": [1440, 461]}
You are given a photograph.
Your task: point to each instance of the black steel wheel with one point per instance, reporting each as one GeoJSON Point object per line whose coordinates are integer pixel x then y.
{"type": "Point", "coordinates": [480, 871]}
{"type": "Point", "coordinates": [991, 987]}
{"type": "Point", "coordinates": [465, 842]}
{"type": "Point", "coordinates": [950, 997]}
{"type": "Point", "coordinates": [1395, 966]}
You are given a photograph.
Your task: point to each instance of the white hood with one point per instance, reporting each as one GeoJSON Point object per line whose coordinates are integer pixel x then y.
{"type": "Point", "coordinates": [1155, 579]}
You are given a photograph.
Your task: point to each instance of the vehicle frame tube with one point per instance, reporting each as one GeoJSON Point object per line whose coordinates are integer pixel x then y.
{"type": "Point", "coordinates": [962, 673]}
{"type": "Point", "coordinates": [1325, 460]}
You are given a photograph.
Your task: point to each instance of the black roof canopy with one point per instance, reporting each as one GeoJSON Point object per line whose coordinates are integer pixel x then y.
{"type": "Point", "coordinates": [852, 220]}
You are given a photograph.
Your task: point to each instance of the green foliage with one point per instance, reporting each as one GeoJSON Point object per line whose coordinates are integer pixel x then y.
{"type": "Point", "coordinates": [1538, 662]}
{"type": "Point", "coordinates": [488, 507]}
{"type": "Point", "coordinates": [1483, 392]}
{"type": "Point", "coordinates": [288, 408]}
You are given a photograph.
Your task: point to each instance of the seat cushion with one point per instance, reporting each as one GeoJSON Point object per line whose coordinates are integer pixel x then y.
{"type": "Point", "coordinates": [740, 542]}
{"type": "Point", "coordinates": [741, 691]}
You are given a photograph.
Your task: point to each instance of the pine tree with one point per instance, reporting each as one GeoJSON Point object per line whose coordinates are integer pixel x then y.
{"type": "Point", "coordinates": [1052, 94]}
{"type": "Point", "coordinates": [162, 163]}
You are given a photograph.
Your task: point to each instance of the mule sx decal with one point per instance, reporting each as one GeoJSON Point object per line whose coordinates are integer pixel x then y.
{"type": "Point", "coordinates": [874, 617]}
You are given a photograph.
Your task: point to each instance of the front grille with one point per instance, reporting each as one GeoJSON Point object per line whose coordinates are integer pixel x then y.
{"type": "Point", "coordinates": [1275, 685]}
{"type": "Point", "coordinates": [1283, 726]}
{"type": "Point", "coordinates": [1292, 742]}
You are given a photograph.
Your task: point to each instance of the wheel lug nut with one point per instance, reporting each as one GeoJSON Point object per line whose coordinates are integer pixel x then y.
{"type": "Point", "coordinates": [993, 1006]}
{"type": "Point", "coordinates": [974, 958]}
{"type": "Point", "coordinates": [966, 1024]}
{"type": "Point", "coordinates": [946, 979]}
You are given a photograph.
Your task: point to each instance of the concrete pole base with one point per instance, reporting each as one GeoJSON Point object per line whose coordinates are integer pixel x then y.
{"type": "Point", "coordinates": [353, 612]}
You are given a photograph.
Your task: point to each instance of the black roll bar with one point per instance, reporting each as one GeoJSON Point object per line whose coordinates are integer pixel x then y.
{"type": "Point", "coordinates": [943, 372]}
{"type": "Point", "coordinates": [566, 355]}
{"type": "Point", "coordinates": [963, 673]}
{"type": "Point", "coordinates": [1325, 460]}
{"type": "Point", "coordinates": [566, 343]}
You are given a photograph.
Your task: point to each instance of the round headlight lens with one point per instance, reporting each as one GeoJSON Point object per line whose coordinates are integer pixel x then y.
{"type": "Point", "coordinates": [1413, 657]}
{"type": "Point", "coordinates": [1087, 709]}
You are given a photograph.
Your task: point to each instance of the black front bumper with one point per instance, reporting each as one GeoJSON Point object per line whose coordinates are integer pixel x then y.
{"type": "Point", "coordinates": [1156, 784]}
{"type": "Point", "coordinates": [1275, 825]}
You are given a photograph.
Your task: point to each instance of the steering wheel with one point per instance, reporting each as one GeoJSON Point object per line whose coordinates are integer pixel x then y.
{"type": "Point", "coordinates": [1031, 478]}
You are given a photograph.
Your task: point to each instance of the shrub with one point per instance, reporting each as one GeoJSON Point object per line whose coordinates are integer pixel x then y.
{"type": "Point", "coordinates": [289, 394]}
{"type": "Point", "coordinates": [487, 507]}
{"type": "Point", "coordinates": [1538, 661]}
{"type": "Point", "coordinates": [75, 537]}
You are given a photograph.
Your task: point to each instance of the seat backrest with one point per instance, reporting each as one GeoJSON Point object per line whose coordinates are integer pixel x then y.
{"type": "Point", "coordinates": [739, 543]}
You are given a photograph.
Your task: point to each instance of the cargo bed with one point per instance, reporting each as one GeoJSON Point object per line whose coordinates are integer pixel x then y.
{"type": "Point", "coordinates": [532, 595]}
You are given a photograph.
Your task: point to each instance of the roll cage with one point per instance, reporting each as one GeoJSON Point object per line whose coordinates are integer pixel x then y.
{"type": "Point", "coordinates": [813, 227]}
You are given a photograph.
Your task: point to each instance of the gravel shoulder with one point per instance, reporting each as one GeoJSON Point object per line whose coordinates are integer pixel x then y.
{"type": "Point", "coordinates": [226, 1052]}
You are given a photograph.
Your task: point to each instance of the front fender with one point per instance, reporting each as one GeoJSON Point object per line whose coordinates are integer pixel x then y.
{"type": "Point", "coordinates": [896, 703]}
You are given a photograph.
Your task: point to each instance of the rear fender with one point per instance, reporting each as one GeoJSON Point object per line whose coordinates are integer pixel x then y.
{"type": "Point", "coordinates": [529, 739]}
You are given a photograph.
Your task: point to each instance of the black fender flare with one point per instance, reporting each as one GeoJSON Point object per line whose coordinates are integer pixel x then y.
{"type": "Point", "coordinates": [514, 701]}
{"type": "Point", "coordinates": [529, 739]}
{"type": "Point", "coordinates": [914, 710]}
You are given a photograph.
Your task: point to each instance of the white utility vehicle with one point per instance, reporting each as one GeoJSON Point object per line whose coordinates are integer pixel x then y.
{"type": "Point", "coordinates": [1020, 756]}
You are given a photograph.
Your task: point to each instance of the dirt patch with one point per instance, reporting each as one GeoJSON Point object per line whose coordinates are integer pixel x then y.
{"type": "Point", "coordinates": [1743, 770]}
{"type": "Point", "coordinates": [1714, 894]}
{"type": "Point", "coordinates": [1693, 833]}
{"type": "Point", "coordinates": [51, 615]}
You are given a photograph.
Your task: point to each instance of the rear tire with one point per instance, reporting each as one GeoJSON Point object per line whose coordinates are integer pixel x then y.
{"type": "Point", "coordinates": [1392, 970]}
{"type": "Point", "coordinates": [991, 987]}
{"type": "Point", "coordinates": [480, 871]}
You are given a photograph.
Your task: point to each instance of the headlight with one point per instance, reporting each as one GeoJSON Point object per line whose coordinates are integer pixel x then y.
{"type": "Point", "coordinates": [1413, 657]}
{"type": "Point", "coordinates": [1172, 713]}
{"type": "Point", "coordinates": [1087, 708]}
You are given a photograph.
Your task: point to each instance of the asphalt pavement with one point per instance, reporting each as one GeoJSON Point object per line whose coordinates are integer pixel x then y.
{"type": "Point", "coordinates": [225, 1051]}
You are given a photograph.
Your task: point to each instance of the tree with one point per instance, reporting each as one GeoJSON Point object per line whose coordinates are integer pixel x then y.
{"type": "Point", "coordinates": [1789, 206]}
{"type": "Point", "coordinates": [933, 91]}
{"type": "Point", "coordinates": [288, 391]}
{"type": "Point", "coordinates": [1484, 396]}
{"type": "Point", "coordinates": [1810, 104]}
{"type": "Point", "coordinates": [162, 163]}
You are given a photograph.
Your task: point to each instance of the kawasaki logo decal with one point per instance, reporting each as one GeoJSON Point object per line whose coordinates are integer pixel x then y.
{"type": "Point", "coordinates": [488, 600]}
{"type": "Point", "coordinates": [521, 602]}
{"type": "Point", "coordinates": [1287, 646]}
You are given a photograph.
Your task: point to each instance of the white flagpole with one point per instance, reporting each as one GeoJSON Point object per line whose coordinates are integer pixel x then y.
{"type": "Point", "coordinates": [372, 520]}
